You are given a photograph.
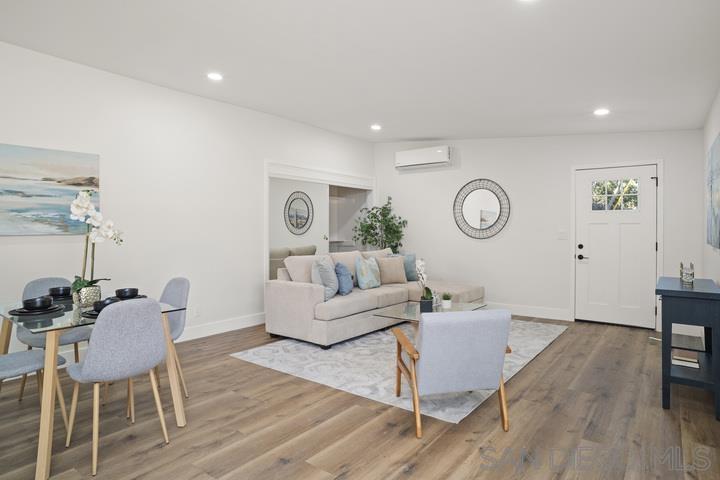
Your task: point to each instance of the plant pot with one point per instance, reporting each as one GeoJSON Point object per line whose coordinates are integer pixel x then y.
{"type": "Point", "coordinates": [87, 296]}
{"type": "Point", "coordinates": [447, 304]}
{"type": "Point", "coordinates": [426, 306]}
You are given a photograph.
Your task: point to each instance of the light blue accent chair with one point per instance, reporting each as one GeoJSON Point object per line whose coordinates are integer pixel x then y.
{"type": "Point", "coordinates": [23, 363]}
{"type": "Point", "coordinates": [176, 293]}
{"type": "Point", "coordinates": [128, 340]}
{"type": "Point", "coordinates": [455, 352]}
{"type": "Point", "coordinates": [38, 288]}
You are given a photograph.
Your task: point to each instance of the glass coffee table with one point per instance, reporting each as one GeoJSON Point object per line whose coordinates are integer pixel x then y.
{"type": "Point", "coordinates": [410, 311]}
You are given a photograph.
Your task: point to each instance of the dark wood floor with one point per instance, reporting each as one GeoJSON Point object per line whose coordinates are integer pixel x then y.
{"type": "Point", "coordinates": [587, 407]}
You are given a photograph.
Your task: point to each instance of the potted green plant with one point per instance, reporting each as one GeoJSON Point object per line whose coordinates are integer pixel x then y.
{"type": "Point", "coordinates": [380, 227]}
{"type": "Point", "coordinates": [86, 291]}
{"type": "Point", "coordinates": [446, 300]}
{"type": "Point", "coordinates": [426, 301]}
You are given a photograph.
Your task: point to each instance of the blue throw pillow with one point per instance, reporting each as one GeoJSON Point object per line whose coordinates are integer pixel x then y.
{"type": "Point", "coordinates": [345, 280]}
{"type": "Point", "coordinates": [410, 265]}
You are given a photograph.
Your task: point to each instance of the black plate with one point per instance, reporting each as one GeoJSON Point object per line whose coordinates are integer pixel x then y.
{"type": "Point", "coordinates": [133, 298]}
{"type": "Point", "coordinates": [21, 312]}
{"type": "Point", "coordinates": [90, 314]}
{"type": "Point", "coordinates": [62, 299]}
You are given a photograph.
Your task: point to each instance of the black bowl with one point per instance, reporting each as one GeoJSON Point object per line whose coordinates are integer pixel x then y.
{"type": "Point", "coordinates": [39, 303]}
{"type": "Point", "coordinates": [125, 293]}
{"type": "Point", "coordinates": [100, 304]}
{"type": "Point", "coordinates": [59, 291]}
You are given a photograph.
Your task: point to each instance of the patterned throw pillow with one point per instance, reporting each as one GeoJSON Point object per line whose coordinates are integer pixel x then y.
{"type": "Point", "coordinates": [323, 273]}
{"type": "Point", "coordinates": [345, 279]}
{"type": "Point", "coordinates": [368, 273]}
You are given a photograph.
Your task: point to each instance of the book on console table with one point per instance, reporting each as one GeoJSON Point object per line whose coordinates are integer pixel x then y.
{"type": "Point", "coordinates": [685, 358]}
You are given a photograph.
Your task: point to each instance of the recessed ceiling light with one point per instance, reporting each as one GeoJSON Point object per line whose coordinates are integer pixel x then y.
{"type": "Point", "coordinates": [601, 112]}
{"type": "Point", "coordinates": [215, 76]}
{"type": "Point", "coordinates": [376, 127]}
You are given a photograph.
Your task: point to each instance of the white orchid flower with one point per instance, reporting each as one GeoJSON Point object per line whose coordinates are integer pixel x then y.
{"type": "Point", "coordinates": [105, 231]}
{"type": "Point", "coordinates": [94, 218]}
{"type": "Point", "coordinates": [81, 206]}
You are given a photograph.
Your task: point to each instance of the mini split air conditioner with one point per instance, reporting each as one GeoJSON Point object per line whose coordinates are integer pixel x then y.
{"type": "Point", "coordinates": [419, 157]}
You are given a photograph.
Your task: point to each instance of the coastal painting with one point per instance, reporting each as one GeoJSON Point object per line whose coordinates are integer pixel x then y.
{"type": "Point", "coordinates": [713, 195]}
{"type": "Point", "coordinates": [37, 186]}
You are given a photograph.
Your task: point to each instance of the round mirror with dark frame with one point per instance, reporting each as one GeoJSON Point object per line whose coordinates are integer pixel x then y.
{"type": "Point", "coordinates": [298, 213]}
{"type": "Point", "coordinates": [481, 208]}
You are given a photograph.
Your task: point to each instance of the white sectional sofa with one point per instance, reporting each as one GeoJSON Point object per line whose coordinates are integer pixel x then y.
{"type": "Point", "coordinates": [295, 307]}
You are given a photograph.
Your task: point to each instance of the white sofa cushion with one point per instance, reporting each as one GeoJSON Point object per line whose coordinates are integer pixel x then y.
{"type": "Point", "coordinates": [387, 296]}
{"type": "Point", "coordinates": [343, 305]}
{"type": "Point", "coordinates": [300, 267]}
{"type": "Point", "coordinates": [462, 293]}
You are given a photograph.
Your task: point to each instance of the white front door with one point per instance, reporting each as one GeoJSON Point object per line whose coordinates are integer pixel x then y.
{"type": "Point", "coordinates": [615, 251]}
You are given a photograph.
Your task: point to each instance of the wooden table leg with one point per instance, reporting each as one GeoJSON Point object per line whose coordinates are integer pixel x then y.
{"type": "Point", "coordinates": [5, 331]}
{"type": "Point", "coordinates": [173, 375]}
{"type": "Point", "coordinates": [47, 408]}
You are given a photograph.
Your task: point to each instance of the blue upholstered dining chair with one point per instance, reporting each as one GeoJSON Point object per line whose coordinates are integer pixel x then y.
{"type": "Point", "coordinates": [38, 288]}
{"type": "Point", "coordinates": [22, 363]}
{"type": "Point", "coordinates": [454, 352]}
{"type": "Point", "coordinates": [176, 294]}
{"type": "Point", "coordinates": [128, 340]}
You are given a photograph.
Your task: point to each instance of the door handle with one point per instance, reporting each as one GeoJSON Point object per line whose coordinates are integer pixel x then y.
{"type": "Point", "coordinates": [582, 257]}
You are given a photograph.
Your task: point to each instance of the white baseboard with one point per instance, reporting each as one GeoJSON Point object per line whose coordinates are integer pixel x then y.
{"type": "Point", "coordinates": [549, 313]}
{"type": "Point", "coordinates": [213, 328]}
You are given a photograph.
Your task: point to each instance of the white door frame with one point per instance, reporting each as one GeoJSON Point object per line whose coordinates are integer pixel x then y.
{"type": "Point", "coordinates": [304, 174]}
{"type": "Point", "coordinates": [659, 235]}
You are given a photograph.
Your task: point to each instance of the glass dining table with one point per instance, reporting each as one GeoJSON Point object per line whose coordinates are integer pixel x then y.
{"type": "Point", "coordinates": [53, 325]}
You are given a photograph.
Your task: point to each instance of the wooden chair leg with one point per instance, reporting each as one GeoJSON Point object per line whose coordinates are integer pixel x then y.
{"type": "Point", "coordinates": [77, 353]}
{"type": "Point", "coordinates": [22, 387]}
{"type": "Point", "coordinates": [96, 427]}
{"type": "Point", "coordinates": [61, 401]}
{"type": "Point", "coordinates": [503, 405]}
{"type": "Point", "coordinates": [398, 372]}
{"type": "Point", "coordinates": [73, 411]}
{"type": "Point", "coordinates": [157, 376]}
{"type": "Point", "coordinates": [180, 372]}
{"type": "Point", "coordinates": [130, 401]}
{"type": "Point", "coordinates": [158, 405]}
{"type": "Point", "coordinates": [23, 382]}
{"type": "Point", "coordinates": [38, 378]}
{"type": "Point", "coordinates": [415, 400]}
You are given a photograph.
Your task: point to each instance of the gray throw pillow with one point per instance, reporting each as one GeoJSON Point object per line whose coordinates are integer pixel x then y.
{"type": "Point", "coordinates": [323, 273]}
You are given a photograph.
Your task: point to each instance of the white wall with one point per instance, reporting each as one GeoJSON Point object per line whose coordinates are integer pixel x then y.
{"type": "Point", "coordinates": [279, 236]}
{"type": "Point", "coordinates": [181, 175]}
{"type": "Point", "coordinates": [711, 256]}
{"type": "Point", "coordinates": [528, 265]}
{"type": "Point", "coordinates": [345, 206]}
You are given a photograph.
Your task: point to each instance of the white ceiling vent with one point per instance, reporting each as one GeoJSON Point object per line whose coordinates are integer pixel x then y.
{"type": "Point", "coordinates": [419, 157]}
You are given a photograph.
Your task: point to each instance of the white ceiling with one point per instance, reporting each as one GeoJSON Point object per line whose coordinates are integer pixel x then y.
{"type": "Point", "coordinates": [422, 68]}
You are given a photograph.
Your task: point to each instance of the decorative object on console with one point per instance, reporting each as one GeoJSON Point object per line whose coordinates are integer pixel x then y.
{"type": "Point", "coordinates": [86, 291]}
{"type": "Point", "coordinates": [298, 213]}
{"type": "Point", "coordinates": [37, 182]}
{"type": "Point", "coordinates": [380, 227]}
{"type": "Point", "coordinates": [687, 274]}
{"type": "Point", "coordinates": [481, 208]}
{"type": "Point", "coordinates": [446, 300]}
{"type": "Point", "coordinates": [368, 273]}
{"type": "Point", "coordinates": [713, 194]}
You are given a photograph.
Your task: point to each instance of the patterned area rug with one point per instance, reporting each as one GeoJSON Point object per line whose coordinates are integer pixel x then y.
{"type": "Point", "coordinates": [365, 366]}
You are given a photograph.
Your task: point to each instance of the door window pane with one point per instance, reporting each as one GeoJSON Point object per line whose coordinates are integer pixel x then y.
{"type": "Point", "coordinates": [615, 194]}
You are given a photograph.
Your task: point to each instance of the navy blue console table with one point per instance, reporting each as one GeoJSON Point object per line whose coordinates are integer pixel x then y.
{"type": "Point", "coordinates": [697, 305]}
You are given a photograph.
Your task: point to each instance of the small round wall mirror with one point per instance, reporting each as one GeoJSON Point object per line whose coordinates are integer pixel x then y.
{"type": "Point", "coordinates": [298, 213]}
{"type": "Point", "coordinates": [481, 209]}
